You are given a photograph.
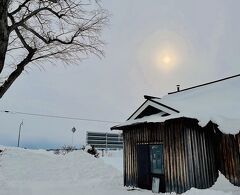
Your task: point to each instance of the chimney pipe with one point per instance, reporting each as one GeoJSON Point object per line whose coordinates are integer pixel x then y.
{"type": "Point", "coordinates": [178, 88]}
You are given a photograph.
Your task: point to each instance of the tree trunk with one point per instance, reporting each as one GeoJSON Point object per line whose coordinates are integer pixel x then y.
{"type": "Point", "coordinates": [4, 35]}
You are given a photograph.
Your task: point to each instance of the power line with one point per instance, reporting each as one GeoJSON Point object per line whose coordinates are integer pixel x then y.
{"type": "Point", "coordinates": [58, 116]}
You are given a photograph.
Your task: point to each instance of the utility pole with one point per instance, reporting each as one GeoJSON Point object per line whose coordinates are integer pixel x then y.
{"type": "Point", "coordinates": [19, 133]}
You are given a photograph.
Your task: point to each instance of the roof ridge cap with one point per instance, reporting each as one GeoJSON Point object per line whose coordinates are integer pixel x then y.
{"type": "Point", "coordinates": [204, 84]}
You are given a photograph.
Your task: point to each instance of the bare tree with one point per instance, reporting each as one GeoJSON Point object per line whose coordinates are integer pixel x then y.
{"type": "Point", "coordinates": [35, 30]}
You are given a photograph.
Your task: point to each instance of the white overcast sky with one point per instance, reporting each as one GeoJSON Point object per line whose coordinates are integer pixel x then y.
{"type": "Point", "coordinates": [201, 38]}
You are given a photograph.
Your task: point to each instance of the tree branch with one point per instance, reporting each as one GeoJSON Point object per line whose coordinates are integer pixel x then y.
{"type": "Point", "coordinates": [20, 36]}
{"type": "Point", "coordinates": [19, 7]}
{"type": "Point", "coordinates": [35, 33]}
{"type": "Point", "coordinates": [49, 40]}
{"type": "Point", "coordinates": [32, 14]}
{"type": "Point", "coordinates": [15, 74]}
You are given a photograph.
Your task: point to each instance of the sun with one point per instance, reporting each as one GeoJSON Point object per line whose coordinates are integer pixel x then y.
{"type": "Point", "coordinates": [165, 60]}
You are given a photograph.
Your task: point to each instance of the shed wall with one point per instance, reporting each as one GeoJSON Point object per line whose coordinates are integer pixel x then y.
{"type": "Point", "coordinates": [228, 156]}
{"type": "Point", "coordinates": [189, 157]}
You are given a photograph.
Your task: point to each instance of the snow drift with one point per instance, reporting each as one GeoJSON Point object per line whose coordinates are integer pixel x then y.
{"type": "Point", "coordinates": [35, 172]}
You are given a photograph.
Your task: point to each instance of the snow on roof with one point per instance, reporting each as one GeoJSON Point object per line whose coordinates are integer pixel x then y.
{"type": "Point", "coordinates": [218, 102]}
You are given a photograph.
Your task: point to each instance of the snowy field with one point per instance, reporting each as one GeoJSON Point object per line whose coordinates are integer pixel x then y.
{"type": "Point", "coordinates": [37, 172]}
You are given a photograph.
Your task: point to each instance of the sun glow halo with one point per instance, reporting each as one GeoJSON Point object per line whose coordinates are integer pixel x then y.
{"type": "Point", "coordinates": [163, 52]}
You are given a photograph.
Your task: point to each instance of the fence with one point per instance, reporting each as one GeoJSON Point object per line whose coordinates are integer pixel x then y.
{"type": "Point", "coordinates": [105, 141]}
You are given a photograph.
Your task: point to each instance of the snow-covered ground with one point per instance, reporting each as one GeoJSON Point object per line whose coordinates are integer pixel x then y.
{"type": "Point", "coordinates": [115, 159]}
{"type": "Point", "coordinates": [37, 172]}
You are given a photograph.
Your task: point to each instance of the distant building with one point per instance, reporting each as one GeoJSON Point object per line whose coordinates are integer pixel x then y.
{"type": "Point", "coordinates": [106, 141]}
{"type": "Point", "coordinates": [182, 140]}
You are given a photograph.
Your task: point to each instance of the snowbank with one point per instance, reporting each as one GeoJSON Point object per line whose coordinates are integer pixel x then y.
{"type": "Point", "coordinates": [37, 172]}
{"type": "Point", "coordinates": [114, 159]}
